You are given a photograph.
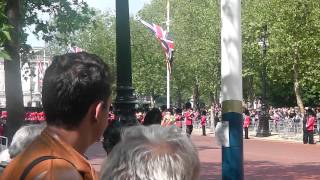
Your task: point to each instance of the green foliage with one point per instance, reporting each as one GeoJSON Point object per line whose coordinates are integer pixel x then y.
{"type": "Point", "coordinates": [98, 38]}
{"type": "Point", "coordinates": [4, 31]}
{"type": "Point", "coordinates": [293, 28]}
{"type": "Point", "coordinates": [293, 35]}
{"type": "Point", "coordinates": [52, 17]}
{"type": "Point", "coordinates": [195, 28]}
{"type": "Point", "coordinates": [149, 73]}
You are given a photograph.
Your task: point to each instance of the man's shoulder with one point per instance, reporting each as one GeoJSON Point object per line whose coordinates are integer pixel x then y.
{"type": "Point", "coordinates": [58, 168]}
{"type": "Point", "coordinates": [43, 167]}
{"type": "Point", "coordinates": [42, 151]}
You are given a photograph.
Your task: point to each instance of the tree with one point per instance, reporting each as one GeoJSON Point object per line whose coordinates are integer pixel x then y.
{"type": "Point", "coordinates": [195, 26]}
{"type": "Point", "coordinates": [292, 54]}
{"type": "Point", "coordinates": [148, 62]}
{"type": "Point", "coordinates": [4, 31]}
{"type": "Point", "coordinates": [67, 16]}
{"type": "Point", "coordinates": [295, 35]}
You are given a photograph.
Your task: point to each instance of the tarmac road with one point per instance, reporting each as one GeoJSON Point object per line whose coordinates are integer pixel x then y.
{"type": "Point", "coordinates": [263, 159]}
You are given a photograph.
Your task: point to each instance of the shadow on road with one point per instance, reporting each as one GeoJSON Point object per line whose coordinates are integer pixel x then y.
{"type": "Point", "coordinates": [265, 170]}
{"type": "Point", "coordinates": [268, 170]}
{"type": "Point", "coordinates": [210, 171]}
{"type": "Point", "coordinates": [199, 148]}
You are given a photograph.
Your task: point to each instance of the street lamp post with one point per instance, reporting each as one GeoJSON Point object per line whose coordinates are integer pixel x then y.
{"type": "Point", "coordinates": [125, 100]}
{"type": "Point", "coordinates": [263, 126]}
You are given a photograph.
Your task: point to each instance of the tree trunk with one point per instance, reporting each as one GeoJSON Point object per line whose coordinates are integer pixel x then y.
{"type": "Point", "coordinates": [212, 98]}
{"type": "Point", "coordinates": [196, 96]}
{"type": "Point", "coordinates": [152, 101]}
{"type": "Point", "coordinates": [13, 87]}
{"type": "Point", "coordinates": [179, 99]}
{"type": "Point", "coordinates": [251, 90]}
{"type": "Point", "coordinates": [296, 81]}
{"type": "Point", "coordinates": [217, 96]}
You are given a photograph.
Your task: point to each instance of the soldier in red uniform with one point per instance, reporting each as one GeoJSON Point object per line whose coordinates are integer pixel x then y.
{"type": "Point", "coordinates": [3, 118]}
{"type": "Point", "coordinates": [178, 119]}
{"type": "Point", "coordinates": [4, 115]}
{"type": "Point", "coordinates": [34, 117]}
{"type": "Point", "coordinates": [139, 115]}
{"type": "Point", "coordinates": [310, 121]}
{"type": "Point", "coordinates": [188, 115]}
{"type": "Point", "coordinates": [203, 122]}
{"type": "Point", "coordinates": [111, 116]}
{"type": "Point", "coordinates": [246, 124]}
{"type": "Point", "coordinates": [41, 116]}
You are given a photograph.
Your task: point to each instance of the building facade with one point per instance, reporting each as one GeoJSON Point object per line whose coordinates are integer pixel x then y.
{"type": "Point", "coordinates": [32, 73]}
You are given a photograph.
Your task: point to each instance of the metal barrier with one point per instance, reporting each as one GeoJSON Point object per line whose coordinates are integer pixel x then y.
{"type": "Point", "coordinates": [3, 143]}
{"type": "Point", "coordinates": [286, 127]}
{"type": "Point", "coordinates": [289, 128]}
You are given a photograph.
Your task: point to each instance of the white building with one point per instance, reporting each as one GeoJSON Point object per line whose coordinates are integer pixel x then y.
{"type": "Point", "coordinates": [32, 74]}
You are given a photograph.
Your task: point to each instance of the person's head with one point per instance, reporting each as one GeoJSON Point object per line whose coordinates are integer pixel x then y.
{"type": "Point", "coordinates": [203, 113]}
{"type": "Point", "coordinates": [163, 108]}
{"type": "Point", "coordinates": [153, 117]}
{"type": "Point", "coordinates": [76, 90]}
{"type": "Point", "coordinates": [310, 112]}
{"type": "Point", "coordinates": [178, 111]}
{"type": "Point", "coordinates": [188, 105]}
{"type": "Point", "coordinates": [246, 112]}
{"type": "Point", "coordinates": [152, 152]}
{"type": "Point", "coordinates": [23, 137]}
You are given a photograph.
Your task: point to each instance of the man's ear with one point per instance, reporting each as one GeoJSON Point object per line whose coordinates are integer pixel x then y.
{"type": "Point", "coordinates": [99, 110]}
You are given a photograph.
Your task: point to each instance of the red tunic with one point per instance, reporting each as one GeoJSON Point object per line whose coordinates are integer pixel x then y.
{"type": "Point", "coordinates": [246, 122]}
{"type": "Point", "coordinates": [310, 123]}
{"type": "Point", "coordinates": [188, 118]}
{"type": "Point", "coordinates": [1, 130]}
{"type": "Point", "coordinates": [41, 116]}
{"type": "Point", "coordinates": [203, 120]}
{"type": "Point", "coordinates": [178, 119]}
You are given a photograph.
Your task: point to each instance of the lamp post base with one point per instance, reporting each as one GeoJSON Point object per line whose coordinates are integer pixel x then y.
{"type": "Point", "coordinates": [263, 126]}
{"type": "Point", "coordinates": [263, 134]}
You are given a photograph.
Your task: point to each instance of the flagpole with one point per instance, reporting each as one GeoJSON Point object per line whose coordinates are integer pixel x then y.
{"type": "Point", "coordinates": [168, 73]}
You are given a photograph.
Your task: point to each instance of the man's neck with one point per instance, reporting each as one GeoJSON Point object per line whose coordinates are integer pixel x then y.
{"type": "Point", "coordinates": [72, 137]}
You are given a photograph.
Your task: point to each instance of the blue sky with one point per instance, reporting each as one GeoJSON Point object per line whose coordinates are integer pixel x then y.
{"type": "Point", "coordinates": [103, 5]}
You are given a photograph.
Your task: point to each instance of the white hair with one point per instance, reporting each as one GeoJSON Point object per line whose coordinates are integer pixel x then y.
{"type": "Point", "coordinates": [153, 153]}
{"type": "Point", "coordinates": [23, 137]}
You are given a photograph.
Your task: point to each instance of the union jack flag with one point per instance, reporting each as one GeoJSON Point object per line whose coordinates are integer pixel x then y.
{"type": "Point", "coordinates": [162, 36]}
{"type": "Point", "coordinates": [74, 49]}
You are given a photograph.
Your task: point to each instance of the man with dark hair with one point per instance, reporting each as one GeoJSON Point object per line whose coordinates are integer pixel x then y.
{"type": "Point", "coordinates": [76, 96]}
{"type": "Point", "coordinates": [152, 117]}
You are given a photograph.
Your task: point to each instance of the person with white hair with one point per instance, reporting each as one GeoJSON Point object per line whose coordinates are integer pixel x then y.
{"type": "Point", "coordinates": [21, 139]}
{"type": "Point", "coordinates": [153, 153]}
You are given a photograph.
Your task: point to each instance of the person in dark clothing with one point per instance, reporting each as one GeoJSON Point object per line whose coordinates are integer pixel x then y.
{"type": "Point", "coordinates": [152, 117]}
{"type": "Point", "coordinates": [216, 119]}
{"type": "Point", "coordinates": [305, 134]}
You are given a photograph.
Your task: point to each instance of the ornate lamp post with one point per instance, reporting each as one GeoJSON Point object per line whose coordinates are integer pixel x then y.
{"type": "Point", "coordinates": [263, 127]}
{"type": "Point", "coordinates": [125, 100]}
